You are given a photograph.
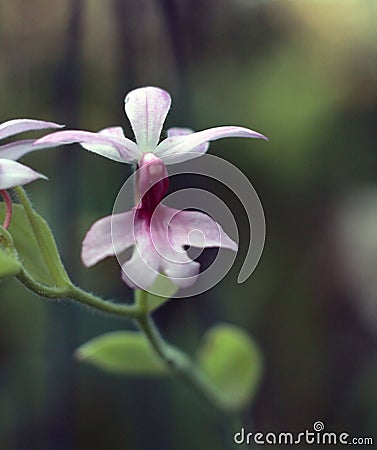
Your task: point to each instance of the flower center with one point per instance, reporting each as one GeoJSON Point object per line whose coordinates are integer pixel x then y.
{"type": "Point", "coordinates": [152, 181]}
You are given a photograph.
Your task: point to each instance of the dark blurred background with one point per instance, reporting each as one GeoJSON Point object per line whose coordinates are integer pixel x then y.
{"type": "Point", "coordinates": [303, 73]}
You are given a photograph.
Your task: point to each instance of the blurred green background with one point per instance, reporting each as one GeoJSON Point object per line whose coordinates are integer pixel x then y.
{"type": "Point", "coordinates": [302, 72]}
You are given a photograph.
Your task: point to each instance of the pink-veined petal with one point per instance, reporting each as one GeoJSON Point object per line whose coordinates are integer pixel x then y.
{"type": "Point", "coordinates": [173, 260]}
{"type": "Point", "coordinates": [172, 229]}
{"type": "Point", "coordinates": [13, 174]}
{"type": "Point", "coordinates": [182, 275]}
{"type": "Point", "coordinates": [183, 147]}
{"type": "Point", "coordinates": [107, 237]}
{"type": "Point", "coordinates": [15, 150]}
{"type": "Point", "coordinates": [197, 229]}
{"type": "Point", "coordinates": [137, 272]}
{"type": "Point", "coordinates": [176, 131]}
{"type": "Point", "coordinates": [141, 270]}
{"type": "Point", "coordinates": [179, 131]}
{"type": "Point", "coordinates": [121, 150]}
{"type": "Point", "coordinates": [146, 109]}
{"type": "Point", "coordinates": [147, 261]}
{"type": "Point", "coordinates": [117, 133]}
{"type": "Point", "coordinates": [16, 126]}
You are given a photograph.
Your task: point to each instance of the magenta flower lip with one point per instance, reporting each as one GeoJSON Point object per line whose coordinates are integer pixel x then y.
{"type": "Point", "coordinates": [152, 183]}
{"type": "Point", "coordinates": [157, 233]}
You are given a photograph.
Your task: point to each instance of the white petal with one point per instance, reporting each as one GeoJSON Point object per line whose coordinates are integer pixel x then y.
{"type": "Point", "coordinates": [110, 146]}
{"type": "Point", "coordinates": [131, 155]}
{"type": "Point", "coordinates": [142, 269]}
{"type": "Point", "coordinates": [108, 236]}
{"type": "Point", "coordinates": [13, 174]}
{"type": "Point", "coordinates": [173, 260]}
{"type": "Point", "coordinates": [198, 230]}
{"type": "Point", "coordinates": [116, 132]}
{"type": "Point", "coordinates": [16, 126]}
{"type": "Point", "coordinates": [176, 131]}
{"type": "Point", "coordinates": [146, 109]}
{"type": "Point", "coordinates": [15, 150]}
{"type": "Point", "coordinates": [182, 275]}
{"type": "Point", "coordinates": [185, 147]}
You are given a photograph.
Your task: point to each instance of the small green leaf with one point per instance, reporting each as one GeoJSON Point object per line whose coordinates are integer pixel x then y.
{"type": "Point", "coordinates": [27, 246]}
{"type": "Point", "coordinates": [163, 289]}
{"type": "Point", "coordinates": [9, 265]}
{"type": "Point", "coordinates": [233, 363]}
{"type": "Point", "coordinates": [124, 352]}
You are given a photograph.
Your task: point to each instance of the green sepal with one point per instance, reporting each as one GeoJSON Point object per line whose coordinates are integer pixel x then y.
{"type": "Point", "coordinates": [163, 289]}
{"type": "Point", "coordinates": [122, 352]}
{"type": "Point", "coordinates": [232, 362]}
{"type": "Point", "coordinates": [29, 251]}
{"type": "Point", "coordinates": [9, 265]}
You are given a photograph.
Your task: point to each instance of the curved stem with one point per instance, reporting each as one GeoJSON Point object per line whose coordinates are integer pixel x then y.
{"type": "Point", "coordinates": [38, 288]}
{"type": "Point", "coordinates": [182, 365]}
{"type": "Point", "coordinates": [186, 369]}
{"type": "Point", "coordinates": [123, 310]}
{"type": "Point", "coordinates": [178, 361]}
{"type": "Point", "coordinates": [8, 208]}
{"type": "Point", "coordinates": [79, 295]}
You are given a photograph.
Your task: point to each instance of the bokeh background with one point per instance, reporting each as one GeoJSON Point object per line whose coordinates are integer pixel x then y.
{"type": "Point", "coordinates": [302, 72]}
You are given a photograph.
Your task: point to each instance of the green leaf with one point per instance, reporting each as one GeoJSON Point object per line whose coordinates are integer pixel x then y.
{"type": "Point", "coordinates": [27, 246]}
{"type": "Point", "coordinates": [233, 363]}
{"type": "Point", "coordinates": [124, 352]}
{"type": "Point", "coordinates": [9, 265]}
{"type": "Point", "coordinates": [163, 289]}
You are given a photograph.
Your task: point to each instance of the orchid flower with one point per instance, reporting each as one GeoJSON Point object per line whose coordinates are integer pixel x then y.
{"type": "Point", "coordinates": [157, 233]}
{"type": "Point", "coordinates": [13, 173]}
{"type": "Point", "coordinates": [146, 109]}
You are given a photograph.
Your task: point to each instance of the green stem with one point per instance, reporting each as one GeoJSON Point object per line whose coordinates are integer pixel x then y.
{"type": "Point", "coordinates": [187, 370]}
{"type": "Point", "coordinates": [181, 364]}
{"type": "Point", "coordinates": [41, 289]}
{"type": "Point", "coordinates": [123, 310]}
{"type": "Point", "coordinates": [178, 361]}
{"type": "Point", "coordinates": [190, 374]}
{"type": "Point", "coordinates": [78, 294]}
{"type": "Point", "coordinates": [55, 268]}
